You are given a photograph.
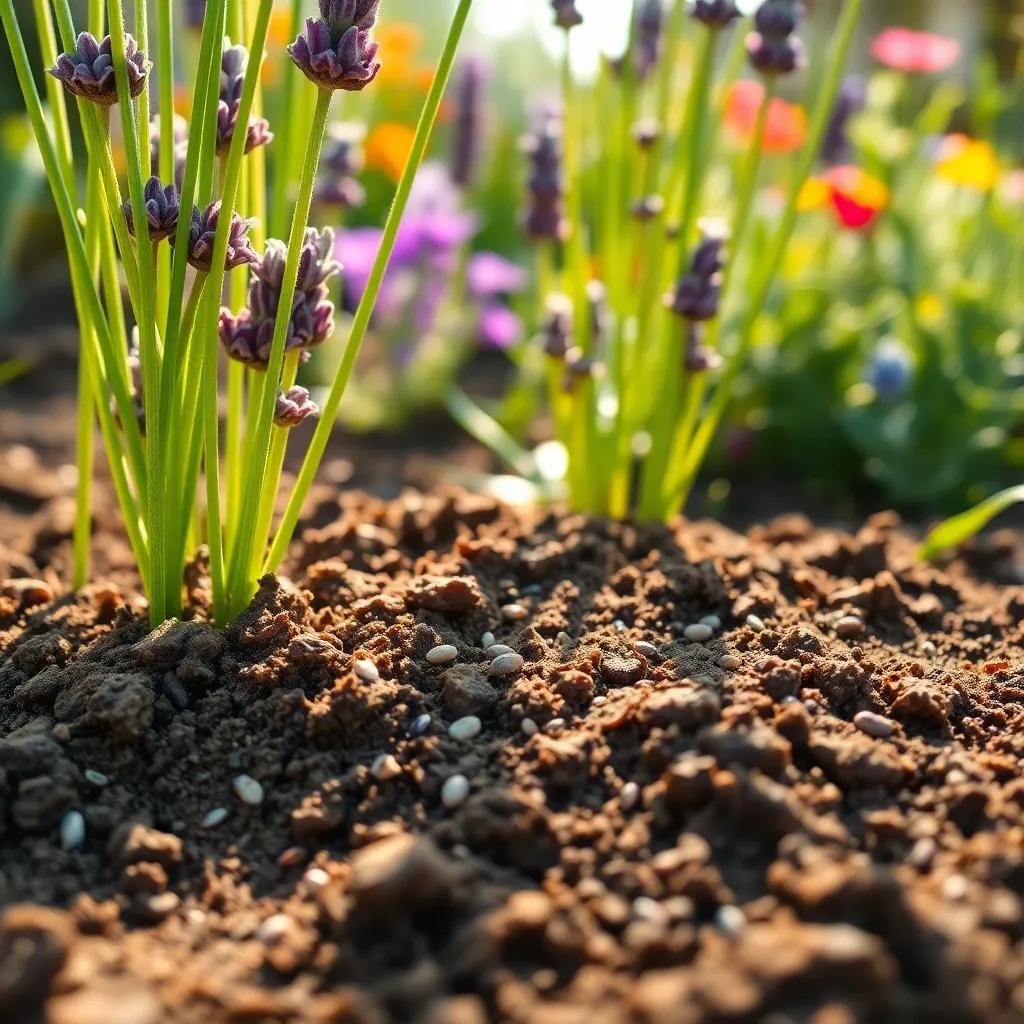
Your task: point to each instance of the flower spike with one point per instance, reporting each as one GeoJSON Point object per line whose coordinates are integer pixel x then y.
{"type": "Point", "coordinates": [294, 407]}
{"type": "Point", "coordinates": [203, 229]}
{"type": "Point", "coordinates": [348, 62]}
{"type": "Point", "coordinates": [88, 72]}
{"type": "Point", "coordinates": [162, 208]}
{"type": "Point", "coordinates": [234, 62]}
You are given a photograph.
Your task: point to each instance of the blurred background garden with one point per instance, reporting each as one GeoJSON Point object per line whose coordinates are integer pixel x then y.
{"type": "Point", "coordinates": [887, 368]}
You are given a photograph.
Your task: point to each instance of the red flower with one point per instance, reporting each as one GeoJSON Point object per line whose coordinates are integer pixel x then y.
{"type": "Point", "coordinates": [857, 197]}
{"type": "Point", "coordinates": [906, 50]}
{"type": "Point", "coordinates": [786, 128]}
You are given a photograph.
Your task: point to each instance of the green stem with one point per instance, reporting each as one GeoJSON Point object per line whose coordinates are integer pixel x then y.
{"type": "Point", "coordinates": [318, 444]}
{"type": "Point", "coordinates": [490, 433]}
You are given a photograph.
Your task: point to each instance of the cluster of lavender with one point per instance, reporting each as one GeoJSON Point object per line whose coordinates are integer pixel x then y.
{"type": "Point", "coordinates": [558, 336]}
{"type": "Point", "coordinates": [337, 184]}
{"type": "Point", "coordinates": [88, 72]}
{"type": "Point", "coordinates": [774, 48]}
{"type": "Point", "coordinates": [248, 337]}
{"type": "Point", "coordinates": [469, 129]}
{"type": "Point", "coordinates": [699, 292]}
{"type": "Point", "coordinates": [234, 61]}
{"type": "Point", "coordinates": [545, 215]}
{"type": "Point", "coordinates": [336, 51]}
{"type": "Point", "coordinates": [650, 17]}
{"type": "Point", "coordinates": [566, 15]}
{"type": "Point", "coordinates": [716, 13]}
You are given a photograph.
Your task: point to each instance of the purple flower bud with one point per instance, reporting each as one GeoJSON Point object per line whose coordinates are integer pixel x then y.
{"type": "Point", "coordinates": [647, 45]}
{"type": "Point", "coordinates": [566, 15]}
{"type": "Point", "coordinates": [294, 407]}
{"type": "Point", "coordinates": [698, 358]}
{"type": "Point", "coordinates": [774, 49]}
{"type": "Point", "coordinates": [557, 330]}
{"type": "Point", "coordinates": [468, 135]}
{"type": "Point", "coordinates": [647, 132]}
{"type": "Point", "coordinates": [716, 13]}
{"type": "Point", "coordinates": [545, 217]}
{"type": "Point", "coordinates": [195, 11]}
{"type": "Point", "coordinates": [162, 209]}
{"type": "Point", "coordinates": [233, 64]}
{"type": "Point", "coordinates": [579, 367]}
{"type": "Point", "coordinates": [698, 292]}
{"type": "Point", "coordinates": [341, 15]}
{"type": "Point", "coordinates": [890, 370]}
{"type": "Point", "coordinates": [343, 159]}
{"type": "Point", "coordinates": [345, 193]}
{"type": "Point", "coordinates": [203, 229]}
{"type": "Point", "coordinates": [88, 72]}
{"type": "Point", "coordinates": [348, 63]}
{"type": "Point", "coordinates": [850, 101]}
{"type": "Point", "coordinates": [648, 207]}
{"type": "Point", "coordinates": [778, 18]}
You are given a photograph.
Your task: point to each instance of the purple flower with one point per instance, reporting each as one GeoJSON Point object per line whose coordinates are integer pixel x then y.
{"type": "Point", "coordinates": [162, 209]}
{"type": "Point", "coordinates": [88, 72]}
{"type": "Point", "coordinates": [545, 216]}
{"type": "Point", "coordinates": [850, 101]}
{"type": "Point", "coordinates": [336, 184]}
{"type": "Point", "coordinates": [233, 64]}
{"type": "Point", "coordinates": [649, 22]}
{"type": "Point", "coordinates": [342, 15]}
{"type": "Point", "coordinates": [647, 132]}
{"type": "Point", "coordinates": [697, 295]}
{"type": "Point", "coordinates": [294, 407]}
{"type": "Point", "coordinates": [195, 11]}
{"type": "Point", "coordinates": [566, 15]}
{"type": "Point", "coordinates": [468, 135]}
{"type": "Point", "coordinates": [499, 327]}
{"type": "Point", "coordinates": [203, 230]}
{"type": "Point", "coordinates": [347, 62]}
{"type": "Point", "coordinates": [489, 274]}
{"type": "Point", "coordinates": [890, 370]}
{"type": "Point", "coordinates": [716, 13]}
{"type": "Point", "coordinates": [775, 49]}
{"type": "Point", "coordinates": [558, 326]}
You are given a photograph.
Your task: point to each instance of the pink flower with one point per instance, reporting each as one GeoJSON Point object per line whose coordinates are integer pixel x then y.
{"type": "Point", "coordinates": [906, 50]}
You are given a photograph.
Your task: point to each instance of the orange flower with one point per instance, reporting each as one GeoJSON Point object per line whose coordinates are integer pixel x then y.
{"type": "Point", "coordinates": [786, 128]}
{"type": "Point", "coordinates": [399, 44]}
{"type": "Point", "coordinates": [971, 163]}
{"type": "Point", "coordinates": [387, 148]}
{"type": "Point", "coordinates": [856, 197]}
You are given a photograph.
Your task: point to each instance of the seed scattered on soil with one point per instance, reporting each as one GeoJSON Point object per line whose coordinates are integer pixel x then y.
{"type": "Point", "coordinates": [420, 725]}
{"type": "Point", "coordinates": [366, 670]}
{"type": "Point", "coordinates": [529, 727]}
{"type": "Point", "coordinates": [629, 796]}
{"type": "Point", "coordinates": [72, 830]}
{"type": "Point", "coordinates": [730, 920]}
{"type": "Point", "coordinates": [454, 791]}
{"type": "Point", "coordinates": [645, 908]}
{"type": "Point", "coordinates": [712, 620]}
{"type": "Point", "coordinates": [96, 778]}
{"type": "Point", "coordinates": [292, 856]}
{"type": "Point", "coordinates": [698, 632]}
{"type": "Point", "coordinates": [248, 790]}
{"type": "Point", "coordinates": [274, 929]}
{"type": "Point", "coordinates": [646, 650]}
{"type": "Point", "coordinates": [555, 725]}
{"type": "Point", "coordinates": [730, 662]}
{"type": "Point", "coordinates": [386, 767]}
{"type": "Point", "coordinates": [619, 626]}
{"type": "Point", "coordinates": [495, 650]}
{"type": "Point", "coordinates": [507, 665]}
{"type": "Point", "coordinates": [465, 728]}
{"type": "Point", "coordinates": [445, 654]}
{"type": "Point", "coordinates": [929, 650]}
{"type": "Point", "coordinates": [849, 627]}
{"type": "Point", "coordinates": [487, 640]}
{"type": "Point", "coordinates": [162, 905]}
{"type": "Point", "coordinates": [756, 623]}
{"type": "Point", "coordinates": [874, 725]}
{"type": "Point", "coordinates": [316, 878]}
{"type": "Point", "coordinates": [215, 817]}
{"type": "Point", "coordinates": [513, 612]}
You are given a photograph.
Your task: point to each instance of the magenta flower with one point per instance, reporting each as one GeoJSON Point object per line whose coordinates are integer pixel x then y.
{"type": "Point", "coordinates": [88, 72]}
{"type": "Point", "coordinates": [489, 274]}
{"type": "Point", "coordinates": [915, 52]}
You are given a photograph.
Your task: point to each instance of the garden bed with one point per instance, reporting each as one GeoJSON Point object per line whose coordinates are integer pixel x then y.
{"type": "Point", "coordinates": [656, 824]}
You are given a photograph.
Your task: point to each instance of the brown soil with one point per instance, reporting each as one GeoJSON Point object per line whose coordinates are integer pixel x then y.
{"type": "Point", "coordinates": [657, 829]}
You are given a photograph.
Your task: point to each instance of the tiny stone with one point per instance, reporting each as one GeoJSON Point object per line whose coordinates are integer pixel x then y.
{"type": "Point", "coordinates": [513, 613]}
{"type": "Point", "coordinates": [61, 733]}
{"type": "Point", "coordinates": [162, 904]}
{"type": "Point", "coordinates": [214, 817]}
{"type": "Point", "coordinates": [95, 778]}
{"type": "Point", "coordinates": [420, 725]}
{"type": "Point", "coordinates": [292, 856]}
{"type": "Point", "coordinates": [756, 623]}
{"type": "Point", "coordinates": [928, 649]}
{"type": "Point", "coordinates": [274, 929]}
{"type": "Point", "coordinates": [442, 655]}
{"type": "Point", "coordinates": [487, 640]}
{"type": "Point", "coordinates": [465, 728]}
{"type": "Point", "coordinates": [555, 725]}
{"type": "Point", "coordinates": [599, 701]}
{"type": "Point", "coordinates": [874, 725]}
{"type": "Point", "coordinates": [454, 791]}
{"type": "Point", "coordinates": [646, 650]}
{"type": "Point", "coordinates": [712, 620]}
{"type": "Point", "coordinates": [698, 632]}
{"type": "Point", "coordinates": [386, 767]}
{"type": "Point", "coordinates": [248, 790]}
{"type": "Point", "coordinates": [730, 920]}
{"type": "Point", "coordinates": [496, 650]}
{"type": "Point", "coordinates": [529, 726]}
{"type": "Point", "coordinates": [316, 878]}
{"type": "Point", "coordinates": [650, 910]}
{"type": "Point", "coordinates": [366, 670]}
{"type": "Point", "coordinates": [72, 830]}
{"type": "Point", "coordinates": [629, 796]}
{"type": "Point", "coordinates": [848, 627]}
{"type": "Point", "coordinates": [619, 625]}
{"type": "Point", "coordinates": [730, 662]}
{"type": "Point", "coordinates": [507, 665]}
{"type": "Point", "coordinates": [811, 705]}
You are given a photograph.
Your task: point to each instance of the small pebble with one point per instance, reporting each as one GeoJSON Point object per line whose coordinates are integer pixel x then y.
{"type": "Point", "coordinates": [465, 728]}
{"type": "Point", "coordinates": [730, 920]}
{"type": "Point", "coordinates": [599, 701]}
{"type": "Point", "coordinates": [214, 818]}
{"type": "Point", "coordinates": [72, 830]}
{"type": "Point", "coordinates": [756, 623]}
{"type": "Point", "coordinates": [316, 878]}
{"type": "Point", "coordinates": [874, 725]}
{"type": "Point", "coordinates": [61, 733]}
{"type": "Point", "coordinates": [730, 662]}
{"type": "Point", "coordinates": [454, 791]}
{"type": "Point", "coordinates": [619, 626]}
{"type": "Point", "coordinates": [292, 856]}
{"type": "Point", "coordinates": [445, 654]}
{"type": "Point", "coordinates": [366, 670]}
{"type": "Point", "coordinates": [812, 706]}
{"type": "Point", "coordinates": [496, 650]}
{"type": "Point", "coordinates": [650, 910]}
{"type": "Point", "coordinates": [529, 726]}
{"type": "Point", "coordinates": [929, 650]}
{"type": "Point", "coordinates": [95, 778]}
{"type": "Point", "coordinates": [507, 665]}
{"type": "Point", "coordinates": [487, 640]}
{"type": "Point", "coordinates": [274, 929]}
{"type": "Point", "coordinates": [712, 620]}
{"type": "Point", "coordinates": [646, 650]}
{"type": "Point", "coordinates": [555, 725]}
{"type": "Point", "coordinates": [248, 790]}
{"type": "Point", "coordinates": [163, 904]}
{"type": "Point", "coordinates": [629, 796]}
{"type": "Point", "coordinates": [849, 627]}
{"type": "Point", "coordinates": [420, 725]}
{"type": "Point", "coordinates": [513, 612]}
{"type": "Point", "coordinates": [386, 767]}
{"type": "Point", "coordinates": [698, 632]}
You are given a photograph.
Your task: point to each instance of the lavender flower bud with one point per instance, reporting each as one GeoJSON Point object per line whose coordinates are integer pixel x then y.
{"type": "Point", "coordinates": [716, 13]}
{"type": "Point", "coordinates": [343, 159]}
{"type": "Point", "coordinates": [647, 132]}
{"type": "Point", "coordinates": [162, 209]}
{"type": "Point", "coordinates": [851, 99]}
{"type": "Point", "coordinates": [203, 229]}
{"type": "Point", "coordinates": [88, 72]}
{"type": "Point", "coordinates": [233, 64]}
{"type": "Point", "coordinates": [648, 207]}
{"type": "Point", "coordinates": [545, 217]}
{"type": "Point", "coordinates": [649, 22]}
{"type": "Point", "coordinates": [774, 49]}
{"type": "Point", "coordinates": [294, 407]}
{"type": "Point", "coordinates": [330, 61]}
{"type": "Point", "coordinates": [698, 292]}
{"type": "Point", "coordinates": [557, 329]}
{"type": "Point", "coordinates": [468, 136]}
{"type": "Point", "coordinates": [566, 15]}
{"type": "Point", "coordinates": [579, 367]}
{"type": "Point", "coordinates": [341, 15]}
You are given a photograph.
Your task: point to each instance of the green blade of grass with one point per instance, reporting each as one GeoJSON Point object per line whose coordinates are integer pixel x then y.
{"type": "Point", "coordinates": [960, 528]}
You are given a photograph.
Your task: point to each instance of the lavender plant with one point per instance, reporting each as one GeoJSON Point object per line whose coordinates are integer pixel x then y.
{"type": "Point", "coordinates": [150, 373]}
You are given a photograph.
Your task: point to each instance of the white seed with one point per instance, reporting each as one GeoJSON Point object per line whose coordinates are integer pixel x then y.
{"type": "Point", "coordinates": [698, 632]}
{"type": "Point", "coordinates": [248, 790]}
{"type": "Point", "coordinates": [487, 640]}
{"type": "Point", "coordinates": [366, 670]}
{"type": "Point", "coordinates": [730, 662]}
{"type": "Point", "coordinates": [274, 929]}
{"type": "Point", "coordinates": [647, 909]}
{"type": "Point", "coordinates": [316, 878]}
{"type": "Point", "coordinates": [849, 626]}
{"type": "Point", "coordinates": [555, 725]}
{"type": "Point", "coordinates": [529, 726]}
{"type": "Point", "coordinates": [646, 650]}
{"type": "Point", "coordinates": [599, 701]}
{"type": "Point", "coordinates": [629, 796]}
{"type": "Point", "coordinates": [712, 620]}
{"type": "Point", "coordinates": [756, 623]}
{"type": "Point", "coordinates": [928, 649]}
{"type": "Point", "coordinates": [454, 791]}
{"type": "Point", "coordinates": [513, 612]}
{"type": "Point", "coordinates": [72, 830]}
{"type": "Point", "coordinates": [730, 920]}
{"type": "Point", "coordinates": [443, 654]}
{"type": "Point", "coordinates": [495, 650]}
{"type": "Point", "coordinates": [215, 817]}
{"type": "Point", "coordinates": [874, 725]}
{"type": "Point", "coordinates": [507, 664]}
{"type": "Point", "coordinates": [95, 778]}
{"type": "Point", "coordinates": [386, 767]}
{"type": "Point", "coordinates": [619, 626]}
{"type": "Point", "coordinates": [465, 728]}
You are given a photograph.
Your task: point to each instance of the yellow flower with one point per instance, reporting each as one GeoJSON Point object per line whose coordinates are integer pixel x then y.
{"type": "Point", "coordinates": [970, 163]}
{"type": "Point", "coordinates": [815, 194]}
{"type": "Point", "coordinates": [929, 309]}
{"type": "Point", "coordinates": [387, 148]}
